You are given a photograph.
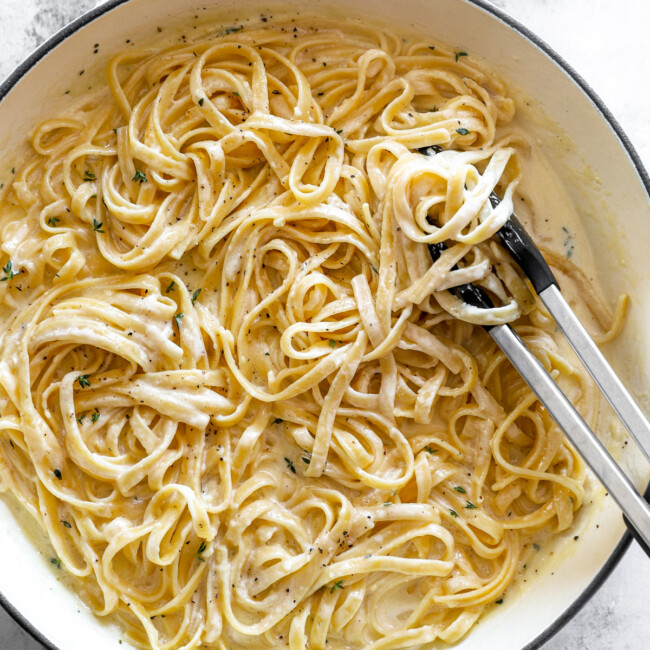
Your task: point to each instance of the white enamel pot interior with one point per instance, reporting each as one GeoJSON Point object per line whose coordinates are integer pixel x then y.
{"type": "Point", "coordinates": [613, 209]}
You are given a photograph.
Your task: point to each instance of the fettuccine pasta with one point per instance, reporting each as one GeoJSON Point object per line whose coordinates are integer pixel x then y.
{"type": "Point", "coordinates": [235, 390]}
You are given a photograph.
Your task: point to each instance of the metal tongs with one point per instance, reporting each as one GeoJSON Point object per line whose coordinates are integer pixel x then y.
{"type": "Point", "coordinates": [636, 511]}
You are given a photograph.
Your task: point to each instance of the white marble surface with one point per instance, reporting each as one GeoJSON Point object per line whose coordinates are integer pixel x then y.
{"type": "Point", "coordinates": [607, 42]}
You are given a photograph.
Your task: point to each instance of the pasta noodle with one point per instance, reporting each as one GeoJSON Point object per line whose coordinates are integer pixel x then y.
{"type": "Point", "coordinates": [234, 389]}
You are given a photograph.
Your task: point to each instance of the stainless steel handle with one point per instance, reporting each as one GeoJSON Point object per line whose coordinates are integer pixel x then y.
{"type": "Point", "coordinates": [610, 385]}
{"type": "Point", "coordinates": [563, 412]}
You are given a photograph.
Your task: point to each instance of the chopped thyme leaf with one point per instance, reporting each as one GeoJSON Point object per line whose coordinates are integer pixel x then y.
{"type": "Point", "coordinates": [81, 418]}
{"type": "Point", "coordinates": [94, 417]}
{"type": "Point", "coordinates": [462, 131]}
{"type": "Point", "coordinates": [235, 93]}
{"type": "Point", "coordinates": [332, 343]}
{"type": "Point", "coordinates": [339, 131]}
{"type": "Point", "coordinates": [170, 287]}
{"type": "Point", "coordinates": [431, 451]}
{"type": "Point", "coordinates": [459, 54]}
{"type": "Point", "coordinates": [57, 473]}
{"type": "Point", "coordinates": [337, 585]}
{"type": "Point", "coordinates": [56, 562]}
{"type": "Point", "coordinates": [89, 176]}
{"type": "Point", "coordinates": [289, 463]}
{"type": "Point", "coordinates": [388, 503]}
{"type": "Point", "coordinates": [461, 489]}
{"type": "Point", "coordinates": [66, 524]}
{"type": "Point", "coordinates": [177, 320]}
{"type": "Point", "coordinates": [374, 269]}
{"type": "Point", "coordinates": [201, 101]}
{"type": "Point", "coordinates": [195, 295]}
{"type": "Point", "coordinates": [453, 513]}
{"type": "Point", "coordinates": [202, 548]}
{"type": "Point", "coordinates": [470, 506]}
{"type": "Point", "coordinates": [367, 556]}
{"type": "Point", "coordinates": [498, 602]}
{"type": "Point", "coordinates": [97, 226]}
{"type": "Point", "coordinates": [8, 270]}
{"type": "Point", "coordinates": [83, 381]}
{"type": "Point", "coordinates": [305, 460]}
{"type": "Point", "coordinates": [278, 421]}
{"type": "Point", "coordinates": [139, 177]}
{"type": "Point", "coordinates": [536, 546]}
{"type": "Point", "coordinates": [275, 92]}
{"type": "Point", "coordinates": [231, 30]}
{"type": "Point", "coordinates": [52, 221]}
{"type": "Point", "coordinates": [432, 47]}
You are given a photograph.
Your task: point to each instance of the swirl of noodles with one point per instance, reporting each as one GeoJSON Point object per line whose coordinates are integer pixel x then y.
{"type": "Point", "coordinates": [234, 390]}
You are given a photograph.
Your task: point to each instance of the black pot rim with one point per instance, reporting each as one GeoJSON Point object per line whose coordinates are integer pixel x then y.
{"type": "Point", "coordinates": [42, 50]}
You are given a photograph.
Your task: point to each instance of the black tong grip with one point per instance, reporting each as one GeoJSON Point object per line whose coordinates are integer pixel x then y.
{"type": "Point", "coordinates": [524, 251]}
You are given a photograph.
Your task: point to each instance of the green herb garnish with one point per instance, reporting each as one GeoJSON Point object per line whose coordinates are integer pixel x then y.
{"type": "Point", "coordinates": [9, 272]}
{"type": "Point", "coordinates": [201, 101]}
{"type": "Point", "coordinates": [170, 287]}
{"type": "Point", "coordinates": [83, 381]}
{"type": "Point", "coordinates": [459, 54]}
{"type": "Point", "coordinates": [462, 131]}
{"type": "Point", "coordinates": [66, 524]}
{"type": "Point", "coordinates": [52, 221]}
{"type": "Point", "coordinates": [202, 548]}
{"type": "Point", "coordinates": [337, 585]}
{"type": "Point", "coordinates": [453, 513]}
{"type": "Point", "coordinates": [332, 343]}
{"type": "Point", "coordinates": [57, 473]}
{"type": "Point", "coordinates": [56, 562]}
{"type": "Point", "coordinates": [470, 506]}
{"type": "Point", "coordinates": [289, 463]}
{"type": "Point", "coordinates": [177, 320]}
{"type": "Point", "coordinates": [139, 177]}
{"type": "Point", "coordinates": [89, 176]}
{"type": "Point", "coordinates": [431, 451]}
{"type": "Point", "coordinates": [97, 226]}
{"type": "Point", "coordinates": [94, 417]}
{"type": "Point", "coordinates": [195, 295]}
{"type": "Point", "coordinates": [461, 489]}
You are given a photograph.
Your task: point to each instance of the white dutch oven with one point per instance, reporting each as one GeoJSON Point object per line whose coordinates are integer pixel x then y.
{"type": "Point", "coordinates": [614, 205]}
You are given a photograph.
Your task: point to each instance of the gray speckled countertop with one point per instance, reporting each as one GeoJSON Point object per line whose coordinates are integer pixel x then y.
{"type": "Point", "coordinates": [616, 617]}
